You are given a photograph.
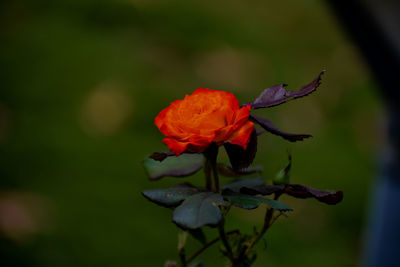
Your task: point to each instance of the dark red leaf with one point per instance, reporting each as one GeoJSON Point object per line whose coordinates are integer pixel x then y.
{"type": "Point", "coordinates": [297, 191]}
{"type": "Point", "coordinates": [259, 131]}
{"type": "Point", "coordinates": [160, 156]}
{"type": "Point", "coordinates": [302, 191]}
{"type": "Point", "coordinates": [307, 89]}
{"type": "Point", "coordinates": [264, 190]}
{"type": "Point", "coordinates": [270, 127]}
{"type": "Point", "coordinates": [240, 158]}
{"type": "Point", "coordinates": [277, 94]}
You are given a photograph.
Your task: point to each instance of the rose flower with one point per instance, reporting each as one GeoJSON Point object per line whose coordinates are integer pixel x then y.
{"type": "Point", "coordinates": [205, 117]}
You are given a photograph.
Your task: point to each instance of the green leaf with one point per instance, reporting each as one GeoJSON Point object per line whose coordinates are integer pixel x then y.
{"type": "Point", "coordinates": [251, 202]}
{"type": "Point", "coordinates": [199, 210]}
{"type": "Point", "coordinates": [283, 176]}
{"type": "Point", "coordinates": [240, 183]}
{"type": "Point", "coordinates": [184, 165]}
{"type": "Point", "coordinates": [227, 170]}
{"type": "Point", "coordinates": [198, 234]}
{"type": "Point", "coordinates": [171, 197]}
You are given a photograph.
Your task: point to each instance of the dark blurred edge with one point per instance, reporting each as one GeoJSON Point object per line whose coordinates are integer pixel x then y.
{"type": "Point", "coordinates": [374, 27]}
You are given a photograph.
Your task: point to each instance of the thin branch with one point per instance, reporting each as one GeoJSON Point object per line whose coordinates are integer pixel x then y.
{"type": "Point", "coordinates": [182, 257]}
{"type": "Point", "coordinates": [276, 218]}
{"type": "Point", "coordinates": [268, 222]}
{"type": "Point", "coordinates": [212, 242]}
{"type": "Point", "coordinates": [224, 240]}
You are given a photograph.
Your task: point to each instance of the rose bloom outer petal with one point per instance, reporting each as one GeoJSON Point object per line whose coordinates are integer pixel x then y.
{"type": "Point", "coordinates": [162, 119]}
{"type": "Point", "coordinates": [241, 117]}
{"type": "Point", "coordinates": [222, 134]}
{"type": "Point", "coordinates": [200, 143]}
{"type": "Point", "coordinates": [242, 135]}
{"type": "Point", "coordinates": [175, 146]}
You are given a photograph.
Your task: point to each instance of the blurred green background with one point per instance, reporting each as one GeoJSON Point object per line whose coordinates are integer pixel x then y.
{"type": "Point", "coordinates": [81, 84]}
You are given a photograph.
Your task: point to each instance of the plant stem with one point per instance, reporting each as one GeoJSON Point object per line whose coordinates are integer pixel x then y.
{"type": "Point", "coordinates": [212, 242]}
{"type": "Point", "coordinates": [224, 240]}
{"type": "Point", "coordinates": [210, 155]}
{"type": "Point", "coordinates": [207, 172]}
{"type": "Point", "coordinates": [215, 175]}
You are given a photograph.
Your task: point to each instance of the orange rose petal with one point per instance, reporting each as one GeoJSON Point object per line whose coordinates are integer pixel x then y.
{"type": "Point", "coordinates": [221, 134]}
{"type": "Point", "coordinates": [162, 119]}
{"type": "Point", "coordinates": [241, 136]}
{"type": "Point", "coordinates": [241, 117]}
{"type": "Point", "coordinates": [159, 120]}
{"type": "Point", "coordinates": [175, 146]}
{"type": "Point", "coordinates": [221, 97]}
{"type": "Point", "coordinates": [242, 114]}
{"type": "Point", "coordinates": [199, 140]}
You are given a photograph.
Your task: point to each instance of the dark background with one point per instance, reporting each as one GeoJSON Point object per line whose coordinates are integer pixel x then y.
{"type": "Point", "coordinates": [81, 84]}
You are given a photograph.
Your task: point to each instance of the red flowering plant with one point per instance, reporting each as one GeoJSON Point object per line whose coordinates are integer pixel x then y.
{"type": "Point", "coordinates": [195, 128]}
